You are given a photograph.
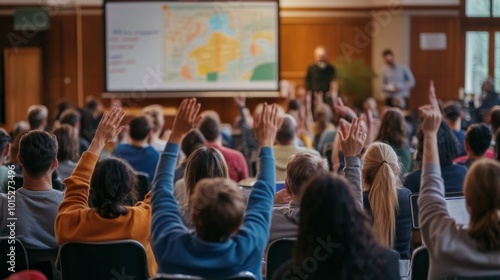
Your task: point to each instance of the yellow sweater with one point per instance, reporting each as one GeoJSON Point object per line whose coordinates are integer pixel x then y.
{"type": "Point", "coordinates": [76, 222]}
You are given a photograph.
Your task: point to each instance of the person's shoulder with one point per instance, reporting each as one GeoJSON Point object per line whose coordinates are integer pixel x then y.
{"type": "Point", "coordinates": [152, 151]}
{"type": "Point", "coordinates": [458, 168]}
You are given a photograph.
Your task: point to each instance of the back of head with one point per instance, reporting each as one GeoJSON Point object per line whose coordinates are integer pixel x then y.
{"type": "Point", "coordinates": [140, 127]}
{"type": "Point", "coordinates": [191, 141]}
{"type": "Point", "coordinates": [61, 107]}
{"type": "Point", "coordinates": [286, 133]}
{"type": "Point", "coordinates": [381, 179]}
{"type": "Point", "coordinates": [447, 145]}
{"type": "Point", "coordinates": [210, 127]}
{"type": "Point", "coordinates": [37, 152]}
{"type": "Point", "coordinates": [93, 104]}
{"type": "Point", "coordinates": [387, 52]}
{"type": "Point", "coordinates": [495, 118]}
{"type": "Point", "coordinates": [393, 128]}
{"type": "Point", "coordinates": [217, 208]}
{"type": "Point", "coordinates": [112, 187]}
{"type": "Point", "coordinates": [323, 113]}
{"type": "Point", "coordinates": [330, 215]}
{"type": "Point", "coordinates": [37, 116]}
{"type": "Point", "coordinates": [4, 140]}
{"type": "Point", "coordinates": [68, 144]}
{"type": "Point", "coordinates": [70, 116]}
{"type": "Point", "coordinates": [452, 110]}
{"type": "Point", "coordinates": [204, 162]}
{"type": "Point", "coordinates": [301, 167]}
{"type": "Point", "coordinates": [482, 194]}
{"type": "Point", "coordinates": [478, 138]}
{"type": "Point", "coordinates": [155, 111]}
{"type": "Point", "coordinates": [497, 146]}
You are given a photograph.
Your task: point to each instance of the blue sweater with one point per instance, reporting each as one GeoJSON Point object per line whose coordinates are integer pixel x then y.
{"type": "Point", "coordinates": [143, 159]}
{"type": "Point", "coordinates": [179, 251]}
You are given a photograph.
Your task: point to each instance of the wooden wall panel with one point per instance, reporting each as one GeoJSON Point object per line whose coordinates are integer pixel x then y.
{"type": "Point", "coordinates": [299, 37]}
{"type": "Point", "coordinates": [93, 54]}
{"type": "Point", "coordinates": [445, 67]}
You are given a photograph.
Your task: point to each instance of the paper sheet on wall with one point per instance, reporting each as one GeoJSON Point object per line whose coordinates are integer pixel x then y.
{"type": "Point", "coordinates": [433, 41]}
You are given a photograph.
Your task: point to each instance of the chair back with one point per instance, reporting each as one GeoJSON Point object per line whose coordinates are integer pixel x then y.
{"type": "Point", "coordinates": [493, 277]}
{"type": "Point", "coordinates": [123, 259]}
{"type": "Point", "coordinates": [420, 263]}
{"type": "Point", "coordinates": [278, 253]}
{"type": "Point", "coordinates": [12, 260]}
{"type": "Point", "coordinates": [44, 260]}
{"type": "Point", "coordinates": [144, 185]}
{"type": "Point", "coordinates": [245, 275]}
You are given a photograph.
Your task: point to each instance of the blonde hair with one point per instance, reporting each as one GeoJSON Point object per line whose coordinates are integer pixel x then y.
{"type": "Point", "coordinates": [155, 111]}
{"type": "Point", "coordinates": [381, 180]}
{"type": "Point", "coordinates": [482, 194]}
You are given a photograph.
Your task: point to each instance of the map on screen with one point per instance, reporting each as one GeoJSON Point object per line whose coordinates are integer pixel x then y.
{"type": "Point", "coordinates": [192, 46]}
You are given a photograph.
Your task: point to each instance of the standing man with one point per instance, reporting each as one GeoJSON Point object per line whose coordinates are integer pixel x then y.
{"type": "Point", "coordinates": [397, 80]}
{"type": "Point", "coordinates": [320, 74]}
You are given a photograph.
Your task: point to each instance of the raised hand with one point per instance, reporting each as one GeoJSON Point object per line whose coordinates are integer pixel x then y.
{"type": "Point", "coordinates": [432, 97]}
{"type": "Point", "coordinates": [109, 126]}
{"type": "Point", "coordinates": [342, 110]}
{"type": "Point", "coordinates": [266, 125]}
{"type": "Point", "coordinates": [431, 119]}
{"type": "Point", "coordinates": [353, 141]}
{"type": "Point", "coordinates": [186, 118]}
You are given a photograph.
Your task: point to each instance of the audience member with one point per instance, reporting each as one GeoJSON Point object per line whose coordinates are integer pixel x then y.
{"type": "Point", "coordinates": [495, 118]}
{"type": "Point", "coordinates": [204, 162]}
{"type": "Point", "coordinates": [37, 117]}
{"type": "Point", "coordinates": [393, 133]}
{"type": "Point", "coordinates": [36, 202]}
{"type": "Point", "coordinates": [477, 141]}
{"type": "Point", "coordinates": [248, 145]}
{"type": "Point", "coordinates": [14, 150]}
{"type": "Point", "coordinates": [109, 187]}
{"type": "Point", "coordinates": [73, 118]}
{"type": "Point", "coordinates": [323, 130]}
{"type": "Point", "coordinates": [156, 113]}
{"type": "Point", "coordinates": [91, 115]}
{"type": "Point", "coordinates": [299, 169]}
{"type": "Point", "coordinates": [386, 201]}
{"type": "Point", "coordinates": [190, 143]}
{"type": "Point", "coordinates": [228, 239]}
{"type": "Point", "coordinates": [139, 154]}
{"type": "Point", "coordinates": [497, 147]}
{"type": "Point", "coordinates": [489, 99]}
{"type": "Point", "coordinates": [67, 154]}
{"type": "Point", "coordinates": [455, 250]}
{"type": "Point", "coordinates": [4, 153]}
{"type": "Point", "coordinates": [453, 115]}
{"type": "Point", "coordinates": [236, 162]}
{"type": "Point", "coordinates": [453, 174]}
{"type": "Point", "coordinates": [332, 222]}
{"type": "Point", "coordinates": [287, 146]}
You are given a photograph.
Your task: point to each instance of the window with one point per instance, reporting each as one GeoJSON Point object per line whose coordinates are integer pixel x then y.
{"type": "Point", "coordinates": [482, 8]}
{"type": "Point", "coordinates": [476, 60]}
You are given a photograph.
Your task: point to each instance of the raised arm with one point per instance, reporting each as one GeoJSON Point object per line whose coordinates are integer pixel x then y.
{"type": "Point", "coordinates": [257, 218]}
{"type": "Point", "coordinates": [433, 213]}
{"type": "Point", "coordinates": [166, 217]}
{"type": "Point", "coordinates": [78, 184]}
{"type": "Point", "coordinates": [352, 140]}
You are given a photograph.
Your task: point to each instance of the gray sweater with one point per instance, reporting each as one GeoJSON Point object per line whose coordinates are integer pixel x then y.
{"type": "Point", "coordinates": [36, 212]}
{"type": "Point", "coordinates": [285, 219]}
{"type": "Point", "coordinates": [452, 252]}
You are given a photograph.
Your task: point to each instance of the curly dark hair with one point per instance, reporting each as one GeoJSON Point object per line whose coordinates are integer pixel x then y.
{"type": "Point", "coordinates": [330, 214]}
{"type": "Point", "coordinates": [393, 129]}
{"type": "Point", "coordinates": [447, 145]}
{"type": "Point", "coordinates": [113, 187]}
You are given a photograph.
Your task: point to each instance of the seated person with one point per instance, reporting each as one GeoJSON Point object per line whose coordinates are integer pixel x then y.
{"type": "Point", "coordinates": [210, 127]}
{"type": "Point", "coordinates": [155, 112]}
{"type": "Point", "coordinates": [456, 250]}
{"type": "Point", "coordinates": [477, 143]}
{"type": "Point", "coordinates": [453, 174]}
{"type": "Point", "coordinates": [227, 239]}
{"type": "Point", "coordinates": [335, 232]}
{"type": "Point", "coordinates": [37, 117]}
{"type": "Point", "coordinates": [139, 154]}
{"type": "Point", "coordinates": [385, 199]}
{"type": "Point", "coordinates": [4, 153]}
{"type": "Point", "coordinates": [323, 129]}
{"type": "Point", "coordinates": [110, 186]}
{"type": "Point", "coordinates": [190, 143]}
{"type": "Point", "coordinates": [453, 115]}
{"type": "Point", "coordinates": [73, 118]}
{"type": "Point", "coordinates": [300, 168]}
{"type": "Point", "coordinates": [36, 201]}
{"type": "Point", "coordinates": [287, 146]}
{"type": "Point", "coordinates": [67, 154]}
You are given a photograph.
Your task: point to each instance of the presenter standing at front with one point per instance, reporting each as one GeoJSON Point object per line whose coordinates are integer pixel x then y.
{"type": "Point", "coordinates": [320, 74]}
{"type": "Point", "coordinates": [397, 80]}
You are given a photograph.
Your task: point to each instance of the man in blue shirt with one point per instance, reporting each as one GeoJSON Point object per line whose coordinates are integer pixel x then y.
{"type": "Point", "coordinates": [139, 154]}
{"type": "Point", "coordinates": [397, 80]}
{"type": "Point", "coordinates": [228, 238]}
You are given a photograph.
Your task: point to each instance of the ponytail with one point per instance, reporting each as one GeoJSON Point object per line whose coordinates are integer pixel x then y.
{"type": "Point", "coordinates": [381, 168]}
{"type": "Point", "coordinates": [110, 209]}
{"type": "Point", "coordinates": [486, 231]}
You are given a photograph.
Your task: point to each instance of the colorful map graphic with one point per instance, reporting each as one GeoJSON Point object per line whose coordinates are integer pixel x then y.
{"type": "Point", "coordinates": [220, 42]}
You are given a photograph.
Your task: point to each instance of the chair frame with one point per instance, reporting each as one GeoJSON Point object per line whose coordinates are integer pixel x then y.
{"type": "Point", "coordinates": [161, 276]}
{"type": "Point", "coordinates": [269, 247]}
{"type": "Point", "coordinates": [26, 258]}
